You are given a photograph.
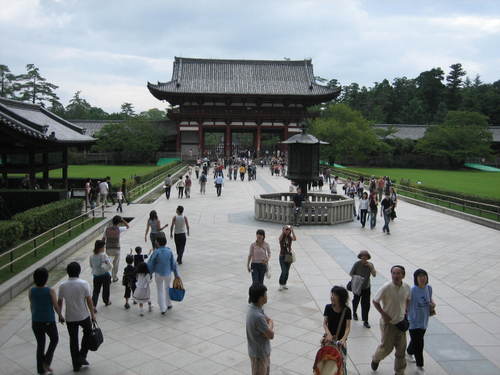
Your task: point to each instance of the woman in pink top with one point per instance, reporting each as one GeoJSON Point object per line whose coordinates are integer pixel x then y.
{"type": "Point", "coordinates": [258, 258]}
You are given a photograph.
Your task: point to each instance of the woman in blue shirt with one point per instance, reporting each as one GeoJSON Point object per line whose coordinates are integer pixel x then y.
{"type": "Point", "coordinates": [43, 302]}
{"type": "Point", "coordinates": [420, 308]}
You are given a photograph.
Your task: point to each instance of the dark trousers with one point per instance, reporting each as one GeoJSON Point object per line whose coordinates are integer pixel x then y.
{"type": "Point", "coordinates": [180, 244]}
{"type": "Point", "coordinates": [78, 354]}
{"type": "Point", "coordinates": [258, 272]}
{"type": "Point", "coordinates": [362, 214]}
{"type": "Point", "coordinates": [242, 176]}
{"type": "Point", "coordinates": [181, 192]}
{"type": "Point", "coordinates": [416, 346]}
{"type": "Point", "coordinates": [152, 237]}
{"type": "Point", "coordinates": [365, 303]}
{"type": "Point", "coordinates": [218, 187]}
{"type": "Point", "coordinates": [119, 208]}
{"type": "Point", "coordinates": [285, 269]}
{"type": "Point", "coordinates": [40, 329]}
{"type": "Point", "coordinates": [103, 281]}
{"type": "Point", "coordinates": [167, 192]}
{"type": "Point", "coordinates": [373, 219]}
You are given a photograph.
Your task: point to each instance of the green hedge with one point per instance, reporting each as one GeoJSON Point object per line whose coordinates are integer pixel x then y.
{"type": "Point", "coordinates": [42, 218]}
{"type": "Point", "coordinates": [148, 176]}
{"type": "Point", "coordinates": [10, 232]}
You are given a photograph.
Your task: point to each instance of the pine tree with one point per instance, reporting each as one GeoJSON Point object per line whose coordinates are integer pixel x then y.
{"type": "Point", "coordinates": [33, 87]}
{"type": "Point", "coordinates": [454, 84]}
{"type": "Point", "coordinates": [7, 82]}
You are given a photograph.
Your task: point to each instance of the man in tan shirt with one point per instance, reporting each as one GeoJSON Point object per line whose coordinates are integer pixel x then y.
{"type": "Point", "coordinates": [391, 301]}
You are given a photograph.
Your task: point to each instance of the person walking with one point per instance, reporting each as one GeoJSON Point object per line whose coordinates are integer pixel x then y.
{"type": "Point", "coordinates": [180, 227]}
{"type": "Point", "coordinates": [258, 257]}
{"type": "Point", "coordinates": [203, 183]}
{"type": "Point", "coordinates": [394, 201]}
{"type": "Point", "coordinates": [187, 186]}
{"type": "Point", "coordinates": [286, 255]}
{"type": "Point", "coordinates": [219, 181]}
{"type": "Point", "coordinates": [180, 188]}
{"type": "Point", "coordinates": [365, 269]}
{"type": "Point", "coordinates": [112, 239]}
{"type": "Point", "coordinates": [373, 206]}
{"type": "Point", "coordinates": [119, 200]}
{"type": "Point", "coordinates": [297, 205]}
{"type": "Point", "coordinates": [43, 302]}
{"type": "Point", "coordinates": [142, 292]}
{"type": "Point", "coordinates": [124, 188]}
{"type": "Point", "coordinates": [337, 319]}
{"type": "Point", "coordinates": [259, 330]}
{"type": "Point", "coordinates": [421, 307]}
{"type": "Point", "coordinates": [197, 171]}
{"type": "Point", "coordinates": [168, 186]}
{"type": "Point", "coordinates": [385, 211]}
{"type": "Point", "coordinates": [75, 294]}
{"type": "Point", "coordinates": [363, 208]}
{"type": "Point", "coordinates": [154, 225]}
{"type": "Point", "coordinates": [391, 301]}
{"type": "Point", "coordinates": [100, 265]}
{"type": "Point", "coordinates": [162, 264]}
{"type": "Point", "coordinates": [103, 193]}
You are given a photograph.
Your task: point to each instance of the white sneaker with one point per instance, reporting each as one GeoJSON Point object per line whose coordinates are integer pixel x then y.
{"type": "Point", "coordinates": [410, 358]}
{"type": "Point", "coordinates": [281, 288]}
{"type": "Point", "coordinates": [285, 287]}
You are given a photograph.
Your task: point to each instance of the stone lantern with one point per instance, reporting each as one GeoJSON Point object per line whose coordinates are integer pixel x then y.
{"type": "Point", "coordinates": [303, 159]}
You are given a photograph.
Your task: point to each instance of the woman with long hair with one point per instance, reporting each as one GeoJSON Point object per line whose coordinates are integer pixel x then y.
{"type": "Point", "coordinates": [258, 257]}
{"type": "Point", "coordinates": [154, 225]}
{"type": "Point", "coordinates": [286, 256]}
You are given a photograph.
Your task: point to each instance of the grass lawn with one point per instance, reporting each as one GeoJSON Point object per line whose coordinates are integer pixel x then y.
{"type": "Point", "coordinates": [483, 184]}
{"type": "Point", "coordinates": [116, 172]}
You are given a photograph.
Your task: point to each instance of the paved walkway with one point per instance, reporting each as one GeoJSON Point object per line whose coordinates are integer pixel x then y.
{"type": "Point", "coordinates": [205, 333]}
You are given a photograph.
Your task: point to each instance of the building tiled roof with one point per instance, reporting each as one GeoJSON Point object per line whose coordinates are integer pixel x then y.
{"type": "Point", "coordinates": [415, 132]}
{"type": "Point", "coordinates": [242, 77]}
{"type": "Point", "coordinates": [37, 122]}
{"type": "Point", "coordinates": [93, 126]}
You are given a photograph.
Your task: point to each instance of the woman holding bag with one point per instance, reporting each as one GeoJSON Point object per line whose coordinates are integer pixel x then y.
{"type": "Point", "coordinates": [420, 308]}
{"type": "Point", "coordinates": [101, 267]}
{"type": "Point", "coordinates": [365, 269]}
{"type": "Point", "coordinates": [286, 255]}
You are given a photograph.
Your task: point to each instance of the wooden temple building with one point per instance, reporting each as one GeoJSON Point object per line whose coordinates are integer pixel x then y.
{"type": "Point", "coordinates": [33, 139]}
{"type": "Point", "coordinates": [238, 96]}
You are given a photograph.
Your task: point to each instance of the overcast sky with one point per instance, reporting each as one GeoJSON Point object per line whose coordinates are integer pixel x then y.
{"type": "Point", "coordinates": [109, 49]}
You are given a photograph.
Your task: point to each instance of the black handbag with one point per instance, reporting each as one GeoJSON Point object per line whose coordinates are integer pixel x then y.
{"type": "Point", "coordinates": [349, 286]}
{"type": "Point", "coordinates": [403, 325]}
{"type": "Point", "coordinates": [95, 338]}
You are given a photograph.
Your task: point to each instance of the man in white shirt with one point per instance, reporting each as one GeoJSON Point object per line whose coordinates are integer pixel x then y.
{"type": "Point", "coordinates": [391, 301]}
{"type": "Point", "coordinates": [79, 309]}
{"type": "Point", "coordinates": [103, 193]}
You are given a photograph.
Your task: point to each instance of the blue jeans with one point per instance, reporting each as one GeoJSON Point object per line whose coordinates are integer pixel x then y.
{"type": "Point", "coordinates": [373, 219]}
{"type": "Point", "coordinates": [258, 272]}
{"type": "Point", "coordinates": [362, 214]}
{"type": "Point", "coordinates": [285, 269]}
{"type": "Point", "coordinates": [387, 219]}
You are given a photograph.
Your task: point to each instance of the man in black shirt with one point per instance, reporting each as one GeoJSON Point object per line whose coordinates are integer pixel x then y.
{"type": "Point", "coordinates": [386, 208]}
{"type": "Point", "coordinates": [297, 205]}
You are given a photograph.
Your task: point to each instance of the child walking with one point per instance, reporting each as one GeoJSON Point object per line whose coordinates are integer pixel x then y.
{"type": "Point", "coordinates": [142, 292]}
{"type": "Point", "coordinates": [139, 257]}
{"type": "Point", "coordinates": [129, 279]}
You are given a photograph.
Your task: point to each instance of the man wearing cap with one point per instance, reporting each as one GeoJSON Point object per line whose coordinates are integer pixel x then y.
{"type": "Point", "coordinates": [365, 269]}
{"type": "Point", "coordinates": [391, 301]}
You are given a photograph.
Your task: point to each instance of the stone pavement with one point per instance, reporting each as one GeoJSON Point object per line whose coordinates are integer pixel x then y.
{"type": "Point", "coordinates": [205, 334]}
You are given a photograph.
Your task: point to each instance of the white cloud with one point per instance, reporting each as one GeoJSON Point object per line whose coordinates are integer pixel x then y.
{"type": "Point", "coordinates": [31, 14]}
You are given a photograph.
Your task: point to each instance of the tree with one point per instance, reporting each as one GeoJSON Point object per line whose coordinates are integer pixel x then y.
{"type": "Point", "coordinates": [454, 84]}
{"type": "Point", "coordinates": [127, 110]}
{"type": "Point", "coordinates": [32, 87]}
{"type": "Point", "coordinates": [463, 135]}
{"type": "Point", "coordinates": [154, 114]}
{"type": "Point", "coordinates": [78, 107]}
{"type": "Point", "coordinates": [7, 82]}
{"type": "Point", "coordinates": [350, 135]}
{"type": "Point", "coordinates": [431, 91]}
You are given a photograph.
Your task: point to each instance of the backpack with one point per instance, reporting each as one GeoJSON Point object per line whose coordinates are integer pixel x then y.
{"type": "Point", "coordinates": [373, 205]}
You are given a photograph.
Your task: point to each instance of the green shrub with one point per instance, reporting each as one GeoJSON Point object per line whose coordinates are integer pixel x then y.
{"type": "Point", "coordinates": [42, 218]}
{"type": "Point", "coordinates": [148, 176]}
{"type": "Point", "coordinates": [10, 232]}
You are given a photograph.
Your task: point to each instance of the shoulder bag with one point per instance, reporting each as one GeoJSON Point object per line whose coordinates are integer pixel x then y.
{"type": "Point", "coordinates": [95, 338]}
{"type": "Point", "coordinates": [177, 292]}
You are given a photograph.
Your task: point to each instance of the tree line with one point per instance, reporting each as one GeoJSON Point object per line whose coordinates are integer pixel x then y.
{"type": "Point", "coordinates": [32, 87]}
{"type": "Point", "coordinates": [425, 99]}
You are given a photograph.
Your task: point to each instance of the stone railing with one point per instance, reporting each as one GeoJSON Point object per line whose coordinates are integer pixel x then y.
{"type": "Point", "coordinates": [317, 208]}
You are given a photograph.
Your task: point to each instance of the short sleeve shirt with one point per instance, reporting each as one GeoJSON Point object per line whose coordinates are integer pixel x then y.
{"type": "Point", "coordinates": [393, 300]}
{"type": "Point", "coordinates": [259, 254]}
{"type": "Point", "coordinates": [74, 292]}
{"type": "Point", "coordinates": [259, 345]}
{"type": "Point", "coordinates": [360, 269]}
{"type": "Point", "coordinates": [333, 319]}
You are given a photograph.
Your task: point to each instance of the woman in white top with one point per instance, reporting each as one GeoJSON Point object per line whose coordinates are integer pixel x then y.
{"type": "Point", "coordinates": [258, 257]}
{"type": "Point", "coordinates": [180, 188]}
{"type": "Point", "coordinates": [181, 226]}
{"type": "Point", "coordinates": [100, 265]}
{"type": "Point", "coordinates": [363, 208]}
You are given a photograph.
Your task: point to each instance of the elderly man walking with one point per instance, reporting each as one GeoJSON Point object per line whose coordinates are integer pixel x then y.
{"type": "Point", "coordinates": [260, 330]}
{"type": "Point", "coordinates": [391, 301]}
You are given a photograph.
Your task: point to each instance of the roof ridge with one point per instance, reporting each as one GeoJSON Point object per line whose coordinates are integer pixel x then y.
{"type": "Point", "coordinates": [179, 59]}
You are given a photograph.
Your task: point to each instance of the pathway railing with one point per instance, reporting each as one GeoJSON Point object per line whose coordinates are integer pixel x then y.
{"type": "Point", "coordinates": [489, 211]}
{"type": "Point", "coordinates": [32, 246]}
{"type": "Point", "coordinates": [139, 190]}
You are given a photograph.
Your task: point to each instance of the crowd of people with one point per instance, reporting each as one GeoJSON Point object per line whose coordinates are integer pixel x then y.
{"type": "Point", "coordinates": [400, 306]}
